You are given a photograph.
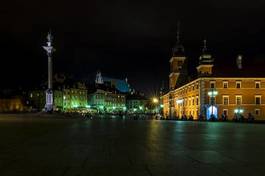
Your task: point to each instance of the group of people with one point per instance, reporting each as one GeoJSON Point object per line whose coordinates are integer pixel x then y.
{"type": "Point", "coordinates": [237, 117]}
{"type": "Point", "coordinates": [240, 118]}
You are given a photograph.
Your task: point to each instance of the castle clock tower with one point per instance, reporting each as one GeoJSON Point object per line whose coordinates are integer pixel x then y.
{"type": "Point", "coordinates": [176, 62]}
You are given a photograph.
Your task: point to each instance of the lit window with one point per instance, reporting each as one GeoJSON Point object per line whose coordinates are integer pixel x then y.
{"type": "Point", "coordinates": [225, 100]}
{"type": "Point", "coordinates": [258, 100]}
{"type": "Point", "coordinates": [257, 85]}
{"type": "Point", "coordinates": [225, 84]}
{"type": "Point", "coordinates": [238, 84]}
{"type": "Point", "coordinates": [238, 100]}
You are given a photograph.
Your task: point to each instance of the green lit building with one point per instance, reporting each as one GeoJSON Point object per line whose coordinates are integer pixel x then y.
{"type": "Point", "coordinates": [74, 97]}
{"type": "Point", "coordinates": [106, 97]}
{"type": "Point", "coordinates": [67, 97]}
{"type": "Point", "coordinates": [136, 103]}
{"type": "Point", "coordinates": [37, 99]}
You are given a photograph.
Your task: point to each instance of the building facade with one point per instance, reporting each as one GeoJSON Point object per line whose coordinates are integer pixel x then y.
{"type": "Point", "coordinates": [14, 104]}
{"type": "Point", "coordinates": [218, 90]}
{"type": "Point", "coordinates": [233, 96]}
{"type": "Point", "coordinates": [107, 101]}
{"type": "Point", "coordinates": [106, 97]}
{"type": "Point", "coordinates": [74, 97]}
{"type": "Point", "coordinates": [68, 97]}
{"type": "Point", "coordinates": [136, 103]}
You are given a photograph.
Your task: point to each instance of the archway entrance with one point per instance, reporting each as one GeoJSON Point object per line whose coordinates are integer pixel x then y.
{"type": "Point", "coordinates": [211, 110]}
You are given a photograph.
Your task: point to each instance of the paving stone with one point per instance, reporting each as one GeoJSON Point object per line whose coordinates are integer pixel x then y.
{"type": "Point", "coordinates": [61, 147]}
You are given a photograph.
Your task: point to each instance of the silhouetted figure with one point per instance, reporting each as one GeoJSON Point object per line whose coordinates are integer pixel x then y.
{"type": "Point", "coordinates": [201, 117]}
{"type": "Point", "coordinates": [250, 118]}
{"type": "Point", "coordinates": [190, 117]}
{"type": "Point", "coordinates": [212, 117]}
{"type": "Point", "coordinates": [241, 118]}
{"type": "Point", "coordinates": [224, 117]}
{"type": "Point", "coordinates": [235, 118]}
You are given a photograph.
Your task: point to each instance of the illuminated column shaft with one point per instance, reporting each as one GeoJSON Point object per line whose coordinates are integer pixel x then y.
{"type": "Point", "coordinates": [49, 72]}
{"type": "Point", "coordinates": [49, 94]}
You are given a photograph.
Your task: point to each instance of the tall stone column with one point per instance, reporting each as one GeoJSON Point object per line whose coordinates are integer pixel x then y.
{"type": "Point", "coordinates": [49, 93]}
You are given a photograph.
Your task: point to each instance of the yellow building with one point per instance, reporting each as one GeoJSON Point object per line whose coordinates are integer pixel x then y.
{"type": "Point", "coordinates": [12, 105]}
{"type": "Point", "coordinates": [219, 89]}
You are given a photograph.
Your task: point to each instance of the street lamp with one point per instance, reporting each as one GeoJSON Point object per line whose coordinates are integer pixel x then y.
{"type": "Point", "coordinates": [124, 108]}
{"type": "Point", "coordinates": [64, 98]}
{"type": "Point", "coordinates": [155, 101]}
{"type": "Point", "coordinates": [239, 111]}
{"type": "Point", "coordinates": [212, 94]}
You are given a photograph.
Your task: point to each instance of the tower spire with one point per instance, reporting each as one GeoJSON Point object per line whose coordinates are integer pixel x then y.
{"type": "Point", "coordinates": [178, 50]}
{"type": "Point", "coordinates": [178, 32]}
{"type": "Point", "coordinates": [206, 61]}
{"type": "Point", "coordinates": [99, 79]}
{"type": "Point", "coordinates": [204, 49]}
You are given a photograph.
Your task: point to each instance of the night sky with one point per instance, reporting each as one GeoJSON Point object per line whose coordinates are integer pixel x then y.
{"type": "Point", "coordinates": [123, 38]}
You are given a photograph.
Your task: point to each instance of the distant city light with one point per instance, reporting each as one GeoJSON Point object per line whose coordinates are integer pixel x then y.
{"type": "Point", "coordinates": [155, 100]}
{"type": "Point", "coordinates": [140, 107]}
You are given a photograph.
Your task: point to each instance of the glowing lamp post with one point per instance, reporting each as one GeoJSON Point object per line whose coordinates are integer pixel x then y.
{"type": "Point", "coordinates": [212, 94]}
{"type": "Point", "coordinates": [64, 98]}
{"type": "Point", "coordinates": [238, 111]}
{"type": "Point", "coordinates": [155, 101]}
{"type": "Point", "coordinates": [124, 109]}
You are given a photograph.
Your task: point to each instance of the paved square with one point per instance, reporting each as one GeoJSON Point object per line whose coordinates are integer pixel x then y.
{"type": "Point", "coordinates": [37, 146]}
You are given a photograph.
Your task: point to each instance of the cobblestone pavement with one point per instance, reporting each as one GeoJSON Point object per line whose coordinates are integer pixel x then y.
{"type": "Point", "coordinates": [57, 147]}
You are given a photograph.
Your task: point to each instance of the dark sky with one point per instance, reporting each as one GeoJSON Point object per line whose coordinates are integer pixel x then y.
{"type": "Point", "coordinates": [123, 38]}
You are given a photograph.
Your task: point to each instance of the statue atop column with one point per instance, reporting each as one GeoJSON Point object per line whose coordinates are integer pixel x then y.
{"type": "Point", "coordinates": [49, 93]}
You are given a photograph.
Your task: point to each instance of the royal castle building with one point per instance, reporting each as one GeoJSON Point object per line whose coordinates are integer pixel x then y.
{"type": "Point", "coordinates": [219, 87]}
